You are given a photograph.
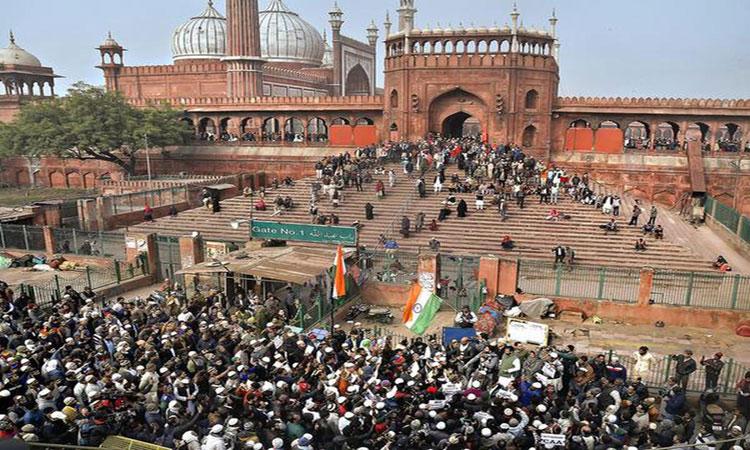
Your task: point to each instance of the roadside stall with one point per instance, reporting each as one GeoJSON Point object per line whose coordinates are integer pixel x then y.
{"type": "Point", "coordinates": [301, 271]}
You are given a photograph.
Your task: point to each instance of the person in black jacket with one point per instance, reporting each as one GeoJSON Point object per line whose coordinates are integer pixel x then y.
{"type": "Point", "coordinates": [462, 208]}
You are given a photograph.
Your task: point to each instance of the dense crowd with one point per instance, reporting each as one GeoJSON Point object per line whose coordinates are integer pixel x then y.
{"type": "Point", "coordinates": [210, 372]}
{"type": "Point", "coordinates": [218, 373]}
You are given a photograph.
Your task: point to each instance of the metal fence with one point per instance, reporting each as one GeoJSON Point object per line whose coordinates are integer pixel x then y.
{"type": "Point", "coordinates": [662, 367]}
{"type": "Point", "coordinates": [169, 257]}
{"type": "Point", "coordinates": [22, 237]}
{"type": "Point", "coordinates": [599, 283]}
{"type": "Point", "coordinates": [735, 222]}
{"type": "Point", "coordinates": [49, 292]}
{"type": "Point", "coordinates": [89, 243]}
{"type": "Point", "coordinates": [392, 266]}
{"type": "Point", "coordinates": [706, 290]}
{"type": "Point", "coordinates": [459, 281]}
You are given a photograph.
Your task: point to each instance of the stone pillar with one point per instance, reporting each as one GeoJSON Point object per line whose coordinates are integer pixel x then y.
{"type": "Point", "coordinates": [191, 251]}
{"type": "Point", "coordinates": [489, 270]}
{"type": "Point", "coordinates": [428, 269]}
{"type": "Point", "coordinates": [508, 277]}
{"type": "Point", "coordinates": [49, 240]}
{"type": "Point", "coordinates": [714, 130]}
{"type": "Point", "coordinates": [652, 141]}
{"type": "Point", "coordinates": [645, 287]}
{"type": "Point", "coordinates": [137, 244]}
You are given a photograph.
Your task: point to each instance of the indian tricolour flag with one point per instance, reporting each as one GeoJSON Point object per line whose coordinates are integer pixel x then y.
{"type": "Point", "coordinates": [339, 280]}
{"type": "Point", "coordinates": [421, 308]}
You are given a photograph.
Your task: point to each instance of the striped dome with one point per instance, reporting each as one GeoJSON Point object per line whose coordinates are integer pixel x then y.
{"type": "Point", "coordinates": [202, 37]}
{"type": "Point", "coordinates": [286, 37]}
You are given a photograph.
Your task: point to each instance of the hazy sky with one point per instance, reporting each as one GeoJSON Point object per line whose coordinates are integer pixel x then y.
{"type": "Point", "coordinates": [664, 48]}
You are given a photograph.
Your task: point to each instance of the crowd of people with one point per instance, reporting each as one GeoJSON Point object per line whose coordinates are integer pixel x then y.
{"type": "Point", "coordinates": [216, 373]}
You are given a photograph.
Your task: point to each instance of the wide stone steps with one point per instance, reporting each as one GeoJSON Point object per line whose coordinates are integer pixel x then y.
{"type": "Point", "coordinates": [478, 234]}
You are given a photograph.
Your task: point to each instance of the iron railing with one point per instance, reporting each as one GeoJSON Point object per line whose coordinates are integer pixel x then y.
{"type": "Point", "coordinates": [597, 283]}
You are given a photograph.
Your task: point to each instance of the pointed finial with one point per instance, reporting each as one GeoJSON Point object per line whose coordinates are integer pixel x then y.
{"type": "Point", "coordinates": [515, 7]}
{"type": "Point", "coordinates": [210, 3]}
{"type": "Point", "coordinates": [325, 35]}
{"type": "Point", "coordinates": [387, 17]}
{"type": "Point", "coordinates": [109, 35]}
{"type": "Point", "coordinates": [12, 37]}
{"type": "Point", "coordinates": [554, 13]}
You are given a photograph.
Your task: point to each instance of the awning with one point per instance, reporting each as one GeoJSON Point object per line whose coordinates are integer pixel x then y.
{"type": "Point", "coordinates": [296, 265]}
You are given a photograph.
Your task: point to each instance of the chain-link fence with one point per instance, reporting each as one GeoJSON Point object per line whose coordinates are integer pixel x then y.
{"type": "Point", "coordinates": [48, 293]}
{"type": "Point", "coordinates": [22, 237]}
{"type": "Point", "coordinates": [89, 243]}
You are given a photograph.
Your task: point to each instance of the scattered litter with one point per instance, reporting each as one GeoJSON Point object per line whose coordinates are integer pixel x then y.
{"type": "Point", "coordinates": [596, 319]}
{"type": "Point", "coordinates": [659, 324]}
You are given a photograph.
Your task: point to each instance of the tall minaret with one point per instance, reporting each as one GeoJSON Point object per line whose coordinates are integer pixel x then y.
{"type": "Point", "coordinates": [336, 19]}
{"type": "Point", "coordinates": [244, 62]}
{"type": "Point", "coordinates": [406, 14]}
{"type": "Point", "coordinates": [514, 15]}
{"type": "Point", "coordinates": [553, 32]}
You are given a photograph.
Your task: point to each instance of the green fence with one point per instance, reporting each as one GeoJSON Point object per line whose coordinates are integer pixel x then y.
{"type": "Point", "coordinates": [663, 367]}
{"type": "Point", "coordinates": [599, 283]}
{"type": "Point", "coordinates": [725, 215]}
{"type": "Point", "coordinates": [735, 222]}
{"type": "Point", "coordinates": [49, 292]}
{"type": "Point", "coordinates": [706, 290]}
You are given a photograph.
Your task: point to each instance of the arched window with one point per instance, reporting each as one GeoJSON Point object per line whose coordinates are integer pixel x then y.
{"type": "Point", "coordinates": [532, 99]}
{"type": "Point", "coordinates": [394, 99]}
{"type": "Point", "coordinates": [529, 136]}
{"type": "Point", "coordinates": [365, 121]}
{"type": "Point", "coordinates": [340, 121]}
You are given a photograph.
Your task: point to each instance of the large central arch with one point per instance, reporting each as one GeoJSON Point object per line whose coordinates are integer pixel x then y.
{"type": "Point", "coordinates": [450, 111]}
{"type": "Point", "coordinates": [461, 124]}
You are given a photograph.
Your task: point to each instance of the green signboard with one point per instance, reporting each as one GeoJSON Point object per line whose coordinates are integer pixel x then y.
{"type": "Point", "coordinates": [322, 234]}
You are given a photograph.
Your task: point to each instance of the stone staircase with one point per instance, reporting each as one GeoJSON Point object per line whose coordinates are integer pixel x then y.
{"type": "Point", "coordinates": [479, 233]}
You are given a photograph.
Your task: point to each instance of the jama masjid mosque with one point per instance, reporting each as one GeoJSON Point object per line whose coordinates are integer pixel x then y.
{"type": "Point", "coordinates": [267, 78]}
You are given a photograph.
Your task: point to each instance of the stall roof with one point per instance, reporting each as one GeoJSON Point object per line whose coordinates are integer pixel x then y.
{"type": "Point", "coordinates": [296, 265]}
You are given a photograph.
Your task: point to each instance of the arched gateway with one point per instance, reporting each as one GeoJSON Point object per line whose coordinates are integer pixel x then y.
{"type": "Point", "coordinates": [457, 113]}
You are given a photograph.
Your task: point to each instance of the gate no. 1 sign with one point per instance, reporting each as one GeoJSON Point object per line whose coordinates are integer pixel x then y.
{"type": "Point", "coordinates": [303, 232]}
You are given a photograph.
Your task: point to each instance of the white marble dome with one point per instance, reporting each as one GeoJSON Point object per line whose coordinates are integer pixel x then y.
{"type": "Point", "coordinates": [15, 55]}
{"type": "Point", "coordinates": [202, 37]}
{"type": "Point", "coordinates": [287, 38]}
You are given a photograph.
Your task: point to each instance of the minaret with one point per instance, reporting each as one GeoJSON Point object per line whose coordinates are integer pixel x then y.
{"type": "Point", "coordinates": [387, 24]}
{"type": "Point", "coordinates": [406, 14]}
{"type": "Point", "coordinates": [514, 15]}
{"type": "Point", "coordinates": [244, 62]}
{"type": "Point", "coordinates": [337, 21]}
{"type": "Point", "coordinates": [112, 62]}
{"type": "Point", "coordinates": [372, 34]}
{"type": "Point", "coordinates": [553, 32]}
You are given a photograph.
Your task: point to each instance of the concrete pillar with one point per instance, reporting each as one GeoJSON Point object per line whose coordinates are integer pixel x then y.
{"type": "Point", "coordinates": [645, 287]}
{"type": "Point", "coordinates": [191, 251]}
{"type": "Point", "coordinates": [49, 241]}
{"type": "Point", "coordinates": [428, 267]}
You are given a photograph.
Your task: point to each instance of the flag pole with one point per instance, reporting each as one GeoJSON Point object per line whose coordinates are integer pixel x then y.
{"type": "Point", "coordinates": [332, 311]}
